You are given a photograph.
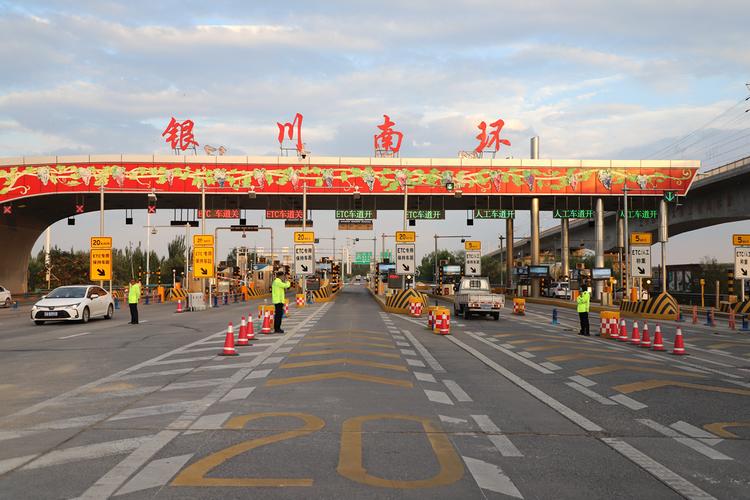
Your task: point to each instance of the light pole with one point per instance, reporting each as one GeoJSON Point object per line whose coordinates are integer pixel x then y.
{"type": "Point", "coordinates": [435, 255]}
{"type": "Point", "coordinates": [187, 247]}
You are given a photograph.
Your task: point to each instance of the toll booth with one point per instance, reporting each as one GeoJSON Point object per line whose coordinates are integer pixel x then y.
{"type": "Point", "coordinates": [261, 277]}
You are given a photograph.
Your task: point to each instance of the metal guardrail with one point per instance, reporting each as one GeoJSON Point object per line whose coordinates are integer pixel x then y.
{"type": "Point", "coordinates": [724, 168]}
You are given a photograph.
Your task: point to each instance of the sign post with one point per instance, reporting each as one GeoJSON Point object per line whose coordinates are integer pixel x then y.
{"type": "Point", "coordinates": [405, 259]}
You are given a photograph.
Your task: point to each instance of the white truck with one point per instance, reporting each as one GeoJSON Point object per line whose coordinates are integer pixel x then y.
{"type": "Point", "coordinates": [474, 297]}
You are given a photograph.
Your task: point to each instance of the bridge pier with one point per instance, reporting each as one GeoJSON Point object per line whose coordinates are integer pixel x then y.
{"type": "Point", "coordinates": [18, 241]}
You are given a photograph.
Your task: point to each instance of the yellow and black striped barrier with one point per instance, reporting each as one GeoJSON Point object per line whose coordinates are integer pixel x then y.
{"type": "Point", "coordinates": [177, 294]}
{"type": "Point", "coordinates": [399, 301]}
{"type": "Point", "coordinates": [255, 293]}
{"type": "Point", "coordinates": [325, 294]}
{"type": "Point", "coordinates": [663, 306]}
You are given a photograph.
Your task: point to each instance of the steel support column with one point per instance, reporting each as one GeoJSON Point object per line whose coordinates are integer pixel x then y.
{"type": "Point", "coordinates": [535, 244]}
{"type": "Point", "coordinates": [663, 238]}
{"type": "Point", "coordinates": [565, 247]}
{"type": "Point", "coordinates": [599, 244]}
{"type": "Point", "coordinates": [509, 252]}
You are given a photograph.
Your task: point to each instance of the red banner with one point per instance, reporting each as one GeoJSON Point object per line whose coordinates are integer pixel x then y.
{"type": "Point", "coordinates": [475, 177]}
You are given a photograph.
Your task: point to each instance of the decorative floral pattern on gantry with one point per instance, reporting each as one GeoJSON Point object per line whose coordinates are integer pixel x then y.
{"type": "Point", "coordinates": [20, 181]}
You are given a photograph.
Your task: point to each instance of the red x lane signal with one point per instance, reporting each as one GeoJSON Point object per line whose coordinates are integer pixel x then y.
{"type": "Point", "coordinates": [7, 210]}
{"type": "Point", "coordinates": [152, 209]}
{"type": "Point", "coordinates": [79, 209]}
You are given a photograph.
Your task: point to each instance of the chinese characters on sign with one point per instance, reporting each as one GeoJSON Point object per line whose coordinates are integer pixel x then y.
{"type": "Point", "coordinates": [284, 214]}
{"type": "Point", "coordinates": [640, 214]}
{"type": "Point", "coordinates": [573, 214]}
{"type": "Point", "coordinates": [304, 259]}
{"type": "Point", "coordinates": [356, 214]}
{"type": "Point", "coordinates": [473, 263]}
{"type": "Point", "coordinates": [485, 213]}
{"type": "Point", "coordinates": [640, 261]}
{"type": "Point", "coordinates": [405, 258]}
{"type": "Point", "coordinates": [741, 263]}
{"type": "Point", "coordinates": [203, 262]}
{"type": "Point", "coordinates": [289, 129]}
{"type": "Point", "coordinates": [384, 140]}
{"type": "Point", "coordinates": [425, 214]}
{"type": "Point", "coordinates": [493, 140]}
{"type": "Point", "coordinates": [100, 265]}
{"type": "Point", "coordinates": [179, 135]}
{"type": "Point", "coordinates": [233, 213]}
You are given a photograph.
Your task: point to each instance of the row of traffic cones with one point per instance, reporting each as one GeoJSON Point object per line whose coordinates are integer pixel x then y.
{"type": "Point", "coordinates": [644, 340]}
{"type": "Point", "coordinates": [246, 334]}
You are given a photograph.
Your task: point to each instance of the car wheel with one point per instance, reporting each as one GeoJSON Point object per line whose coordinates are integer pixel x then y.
{"type": "Point", "coordinates": [110, 312]}
{"type": "Point", "coordinates": [85, 315]}
{"type": "Point", "coordinates": [38, 322]}
{"type": "Point", "coordinates": [7, 302]}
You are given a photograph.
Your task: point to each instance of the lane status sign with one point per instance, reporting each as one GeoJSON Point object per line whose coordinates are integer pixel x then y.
{"type": "Point", "coordinates": [304, 258]}
{"type": "Point", "coordinates": [100, 264]}
{"type": "Point", "coordinates": [406, 259]}
{"type": "Point", "coordinates": [100, 258]}
{"type": "Point", "coordinates": [640, 261]}
{"type": "Point", "coordinates": [473, 264]}
{"type": "Point", "coordinates": [406, 236]}
{"type": "Point", "coordinates": [641, 238]}
{"type": "Point", "coordinates": [304, 237]}
{"type": "Point", "coordinates": [741, 240]}
{"type": "Point", "coordinates": [472, 245]}
{"type": "Point", "coordinates": [741, 263]}
{"type": "Point", "coordinates": [203, 262]}
{"type": "Point", "coordinates": [203, 240]}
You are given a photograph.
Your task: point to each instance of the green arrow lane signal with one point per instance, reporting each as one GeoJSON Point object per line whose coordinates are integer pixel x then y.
{"type": "Point", "coordinates": [670, 196]}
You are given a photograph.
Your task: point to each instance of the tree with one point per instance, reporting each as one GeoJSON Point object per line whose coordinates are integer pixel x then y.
{"type": "Point", "coordinates": [175, 259]}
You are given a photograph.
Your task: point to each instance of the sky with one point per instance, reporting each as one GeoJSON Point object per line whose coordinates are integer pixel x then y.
{"type": "Point", "coordinates": [612, 80]}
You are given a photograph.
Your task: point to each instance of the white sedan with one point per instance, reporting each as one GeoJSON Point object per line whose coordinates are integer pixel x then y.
{"type": "Point", "coordinates": [73, 303]}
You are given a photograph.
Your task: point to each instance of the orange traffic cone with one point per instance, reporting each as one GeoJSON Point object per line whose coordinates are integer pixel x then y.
{"type": "Point", "coordinates": [679, 344]}
{"type": "Point", "coordinates": [229, 343]}
{"type": "Point", "coordinates": [266, 327]}
{"type": "Point", "coordinates": [444, 327]}
{"type": "Point", "coordinates": [624, 333]}
{"type": "Point", "coordinates": [242, 339]}
{"type": "Point", "coordinates": [249, 332]}
{"type": "Point", "coordinates": [179, 306]}
{"type": "Point", "coordinates": [636, 337]}
{"type": "Point", "coordinates": [646, 339]}
{"type": "Point", "coordinates": [658, 340]}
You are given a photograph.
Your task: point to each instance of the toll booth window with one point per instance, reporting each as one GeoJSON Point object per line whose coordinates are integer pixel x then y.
{"type": "Point", "coordinates": [475, 284]}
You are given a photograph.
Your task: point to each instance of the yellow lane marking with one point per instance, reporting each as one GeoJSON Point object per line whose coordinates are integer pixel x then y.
{"type": "Point", "coordinates": [598, 370]}
{"type": "Point", "coordinates": [195, 474]}
{"type": "Point", "coordinates": [557, 345]}
{"type": "Point", "coordinates": [351, 464]}
{"type": "Point", "coordinates": [346, 351]}
{"type": "Point", "coordinates": [339, 375]}
{"type": "Point", "coordinates": [344, 361]}
{"type": "Point", "coordinates": [371, 344]}
{"type": "Point", "coordinates": [719, 428]}
{"type": "Point", "coordinates": [571, 357]}
{"type": "Point", "coordinates": [656, 384]}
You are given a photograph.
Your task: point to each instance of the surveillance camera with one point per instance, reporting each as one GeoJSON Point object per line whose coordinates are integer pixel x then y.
{"type": "Point", "coordinates": [251, 194]}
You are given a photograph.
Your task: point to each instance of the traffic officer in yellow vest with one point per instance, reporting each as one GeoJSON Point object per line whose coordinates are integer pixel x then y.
{"type": "Point", "coordinates": [278, 292]}
{"type": "Point", "coordinates": [134, 294]}
{"type": "Point", "coordinates": [584, 302]}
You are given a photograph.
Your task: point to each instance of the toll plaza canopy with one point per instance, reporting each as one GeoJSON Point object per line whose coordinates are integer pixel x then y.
{"type": "Point", "coordinates": [32, 177]}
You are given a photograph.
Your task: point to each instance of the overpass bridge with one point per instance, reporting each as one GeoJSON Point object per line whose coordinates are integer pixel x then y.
{"type": "Point", "coordinates": [38, 191]}
{"type": "Point", "coordinates": [717, 196]}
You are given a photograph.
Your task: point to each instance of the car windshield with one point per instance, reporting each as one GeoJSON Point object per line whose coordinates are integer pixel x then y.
{"type": "Point", "coordinates": [68, 292]}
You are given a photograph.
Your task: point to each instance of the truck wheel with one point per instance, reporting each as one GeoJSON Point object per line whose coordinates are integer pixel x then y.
{"type": "Point", "coordinates": [496, 316]}
{"type": "Point", "coordinates": [456, 310]}
{"type": "Point", "coordinates": [467, 314]}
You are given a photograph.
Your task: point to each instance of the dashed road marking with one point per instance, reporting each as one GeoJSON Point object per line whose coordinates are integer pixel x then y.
{"type": "Point", "coordinates": [629, 402]}
{"type": "Point", "coordinates": [155, 474]}
{"type": "Point", "coordinates": [424, 377]}
{"type": "Point", "coordinates": [74, 335]}
{"type": "Point", "coordinates": [457, 391]}
{"type": "Point", "coordinates": [701, 448]}
{"type": "Point", "coordinates": [238, 393]}
{"type": "Point", "coordinates": [438, 397]}
{"type": "Point", "coordinates": [491, 477]}
{"type": "Point", "coordinates": [590, 394]}
{"type": "Point", "coordinates": [583, 381]}
{"type": "Point", "coordinates": [257, 374]}
{"type": "Point", "coordinates": [339, 375]}
{"type": "Point", "coordinates": [346, 361]}
{"type": "Point", "coordinates": [500, 441]}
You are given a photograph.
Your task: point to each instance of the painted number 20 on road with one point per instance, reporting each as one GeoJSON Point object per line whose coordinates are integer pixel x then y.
{"type": "Point", "coordinates": [351, 464]}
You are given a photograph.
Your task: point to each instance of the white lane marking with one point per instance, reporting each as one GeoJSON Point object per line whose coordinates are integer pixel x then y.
{"type": "Point", "coordinates": [671, 479]}
{"type": "Point", "coordinates": [202, 349]}
{"type": "Point", "coordinates": [508, 346]}
{"type": "Point", "coordinates": [285, 349]}
{"type": "Point", "coordinates": [155, 474]}
{"type": "Point", "coordinates": [126, 393]}
{"type": "Point", "coordinates": [178, 371]}
{"type": "Point", "coordinates": [193, 384]}
{"type": "Point", "coordinates": [403, 344]}
{"type": "Point", "coordinates": [457, 391]}
{"type": "Point", "coordinates": [628, 401]}
{"type": "Point", "coordinates": [9, 464]}
{"type": "Point", "coordinates": [238, 393]}
{"type": "Point", "coordinates": [513, 355]}
{"type": "Point", "coordinates": [408, 352]}
{"type": "Point", "coordinates": [481, 334]}
{"type": "Point", "coordinates": [526, 354]}
{"type": "Point", "coordinates": [451, 420]}
{"type": "Point", "coordinates": [499, 440]}
{"type": "Point", "coordinates": [701, 448]}
{"type": "Point", "coordinates": [232, 366]}
{"type": "Point", "coordinates": [438, 397]}
{"type": "Point", "coordinates": [425, 377]}
{"type": "Point", "coordinates": [551, 366]}
{"type": "Point", "coordinates": [274, 360]}
{"type": "Point", "coordinates": [183, 360]}
{"type": "Point", "coordinates": [586, 382]}
{"type": "Point", "coordinates": [258, 374]}
{"type": "Point", "coordinates": [415, 362]}
{"type": "Point", "coordinates": [74, 335]}
{"type": "Point", "coordinates": [210, 422]}
{"type": "Point", "coordinates": [429, 358]}
{"type": "Point", "coordinates": [693, 431]}
{"type": "Point", "coordinates": [590, 394]}
{"type": "Point", "coordinates": [148, 411]}
{"type": "Point", "coordinates": [491, 477]}
{"type": "Point", "coordinates": [87, 452]}
{"type": "Point", "coordinates": [570, 414]}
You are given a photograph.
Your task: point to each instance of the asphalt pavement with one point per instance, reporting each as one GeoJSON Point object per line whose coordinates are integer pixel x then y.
{"type": "Point", "coordinates": [354, 402]}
